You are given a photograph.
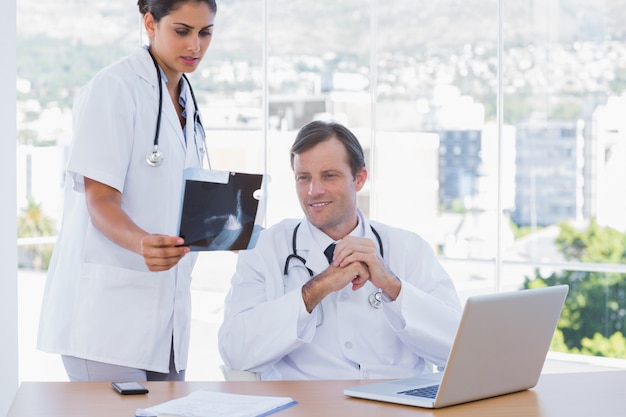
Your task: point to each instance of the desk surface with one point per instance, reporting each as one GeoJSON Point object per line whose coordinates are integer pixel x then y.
{"type": "Point", "coordinates": [572, 394]}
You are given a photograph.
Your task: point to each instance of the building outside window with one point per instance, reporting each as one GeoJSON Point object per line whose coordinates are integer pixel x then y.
{"type": "Point", "coordinates": [494, 129]}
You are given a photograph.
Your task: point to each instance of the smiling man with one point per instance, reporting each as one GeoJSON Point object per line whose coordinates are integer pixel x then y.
{"type": "Point", "coordinates": [333, 295]}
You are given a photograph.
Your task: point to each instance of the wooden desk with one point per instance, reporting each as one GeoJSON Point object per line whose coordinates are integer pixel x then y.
{"type": "Point", "coordinates": [572, 394]}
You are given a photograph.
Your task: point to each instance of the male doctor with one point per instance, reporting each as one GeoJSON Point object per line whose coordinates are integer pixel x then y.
{"type": "Point", "coordinates": [380, 307]}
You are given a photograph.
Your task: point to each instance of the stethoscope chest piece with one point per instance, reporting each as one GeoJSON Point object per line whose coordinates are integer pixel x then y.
{"type": "Point", "coordinates": [154, 158]}
{"type": "Point", "coordinates": [376, 299]}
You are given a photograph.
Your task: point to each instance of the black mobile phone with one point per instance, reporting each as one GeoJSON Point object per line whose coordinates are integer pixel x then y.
{"type": "Point", "coordinates": [129, 388]}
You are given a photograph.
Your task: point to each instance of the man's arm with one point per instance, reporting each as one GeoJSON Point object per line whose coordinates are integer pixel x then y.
{"type": "Point", "coordinates": [263, 320]}
{"type": "Point", "coordinates": [427, 311]}
{"type": "Point", "coordinates": [333, 279]}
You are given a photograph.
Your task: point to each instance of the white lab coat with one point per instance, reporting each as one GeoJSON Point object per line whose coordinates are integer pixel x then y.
{"type": "Point", "coordinates": [267, 329]}
{"type": "Point", "coordinates": [101, 302]}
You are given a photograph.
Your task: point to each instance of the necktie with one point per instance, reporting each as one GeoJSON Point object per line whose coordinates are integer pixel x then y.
{"type": "Point", "coordinates": [329, 251]}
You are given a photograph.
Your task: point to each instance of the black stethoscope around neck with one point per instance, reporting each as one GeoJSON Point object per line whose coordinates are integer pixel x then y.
{"type": "Point", "coordinates": [375, 298]}
{"type": "Point", "coordinates": [155, 157]}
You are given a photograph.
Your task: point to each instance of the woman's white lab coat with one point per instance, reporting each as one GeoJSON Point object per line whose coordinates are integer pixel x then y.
{"type": "Point", "coordinates": [267, 329]}
{"type": "Point", "coordinates": [101, 303]}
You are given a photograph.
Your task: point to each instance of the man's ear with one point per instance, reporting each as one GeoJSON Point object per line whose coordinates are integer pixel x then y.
{"type": "Point", "coordinates": [360, 178]}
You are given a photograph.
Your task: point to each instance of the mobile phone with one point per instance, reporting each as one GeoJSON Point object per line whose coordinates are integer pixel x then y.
{"type": "Point", "coordinates": [129, 388]}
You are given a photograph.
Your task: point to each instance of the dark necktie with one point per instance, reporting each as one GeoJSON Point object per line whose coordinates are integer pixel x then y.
{"type": "Point", "coordinates": [329, 251]}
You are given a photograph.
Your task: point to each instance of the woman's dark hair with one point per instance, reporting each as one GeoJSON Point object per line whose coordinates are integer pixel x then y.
{"type": "Point", "coordinates": [161, 8]}
{"type": "Point", "coordinates": [319, 131]}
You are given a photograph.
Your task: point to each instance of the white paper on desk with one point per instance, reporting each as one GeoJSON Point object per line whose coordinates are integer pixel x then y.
{"type": "Point", "coordinates": [203, 403]}
{"type": "Point", "coordinates": [221, 210]}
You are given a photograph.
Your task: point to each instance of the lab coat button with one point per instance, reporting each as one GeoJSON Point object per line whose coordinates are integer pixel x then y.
{"type": "Point", "coordinates": [348, 345]}
{"type": "Point", "coordinates": [343, 297]}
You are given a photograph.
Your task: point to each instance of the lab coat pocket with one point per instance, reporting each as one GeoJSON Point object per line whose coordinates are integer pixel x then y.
{"type": "Point", "coordinates": [116, 309]}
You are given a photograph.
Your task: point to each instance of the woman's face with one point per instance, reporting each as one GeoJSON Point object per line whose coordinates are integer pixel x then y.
{"type": "Point", "coordinates": [180, 39]}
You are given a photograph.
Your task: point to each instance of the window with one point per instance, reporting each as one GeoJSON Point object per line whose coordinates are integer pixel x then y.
{"type": "Point", "coordinates": [501, 142]}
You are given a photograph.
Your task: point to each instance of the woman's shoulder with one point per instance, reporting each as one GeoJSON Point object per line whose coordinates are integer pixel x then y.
{"type": "Point", "coordinates": [123, 71]}
{"type": "Point", "coordinates": [119, 79]}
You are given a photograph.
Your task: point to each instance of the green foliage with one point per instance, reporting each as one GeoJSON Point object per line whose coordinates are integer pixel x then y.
{"type": "Point", "coordinates": [457, 206]}
{"type": "Point", "coordinates": [614, 346]}
{"type": "Point", "coordinates": [517, 108]}
{"type": "Point", "coordinates": [57, 67]}
{"type": "Point", "coordinates": [558, 342]}
{"type": "Point", "coordinates": [27, 136]}
{"type": "Point", "coordinates": [566, 110]}
{"type": "Point", "coordinates": [596, 244]}
{"type": "Point", "coordinates": [521, 231]}
{"type": "Point", "coordinates": [34, 223]}
{"type": "Point", "coordinates": [618, 83]}
{"type": "Point", "coordinates": [594, 314]}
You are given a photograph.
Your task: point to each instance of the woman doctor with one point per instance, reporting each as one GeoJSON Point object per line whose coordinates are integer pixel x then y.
{"type": "Point", "coordinates": [117, 297]}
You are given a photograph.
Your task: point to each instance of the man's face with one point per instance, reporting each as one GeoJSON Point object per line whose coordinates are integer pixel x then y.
{"type": "Point", "coordinates": [326, 188]}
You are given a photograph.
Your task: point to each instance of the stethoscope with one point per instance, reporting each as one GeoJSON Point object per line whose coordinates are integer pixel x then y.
{"type": "Point", "coordinates": [375, 298]}
{"type": "Point", "coordinates": [155, 157]}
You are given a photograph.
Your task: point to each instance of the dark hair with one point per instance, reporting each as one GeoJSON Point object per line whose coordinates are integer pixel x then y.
{"type": "Point", "coordinates": [161, 8]}
{"type": "Point", "coordinates": [319, 131]}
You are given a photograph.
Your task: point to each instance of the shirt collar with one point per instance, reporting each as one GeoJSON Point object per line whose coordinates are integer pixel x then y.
{"type": "Point", "coordinates": [183, 86]}
{"type": "Point", "coordinates": [324, 240]}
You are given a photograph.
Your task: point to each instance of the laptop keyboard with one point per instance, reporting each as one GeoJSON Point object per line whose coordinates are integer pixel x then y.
{"type": "Point", "coordinates": [426, 392]}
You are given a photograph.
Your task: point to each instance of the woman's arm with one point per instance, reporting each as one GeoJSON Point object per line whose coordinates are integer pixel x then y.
{"type": "Point", "coordinates": [104, 203]}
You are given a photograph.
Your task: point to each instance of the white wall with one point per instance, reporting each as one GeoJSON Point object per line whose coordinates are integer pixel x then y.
{"type": "Point", "coordinates": [8, 219]}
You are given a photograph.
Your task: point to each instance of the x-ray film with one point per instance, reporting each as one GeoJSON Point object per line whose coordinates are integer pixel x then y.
{"type": "Point", "coordinates": [221, 210]}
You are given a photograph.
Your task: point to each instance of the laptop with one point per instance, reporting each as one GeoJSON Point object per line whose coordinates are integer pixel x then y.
{"type": "Point", "coordinates": [500, 348]}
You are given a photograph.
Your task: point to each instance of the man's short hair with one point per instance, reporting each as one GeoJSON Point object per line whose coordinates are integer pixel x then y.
{"type": "Point", "coordinates": [319, 131]}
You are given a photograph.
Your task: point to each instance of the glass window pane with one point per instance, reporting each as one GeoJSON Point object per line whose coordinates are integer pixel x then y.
{"type": "Point", "coordinates": [436, 159]}
{"type": "Point", "coordinates": [563, 93]}
{"type": "Point", "coordinates": [536, 200]}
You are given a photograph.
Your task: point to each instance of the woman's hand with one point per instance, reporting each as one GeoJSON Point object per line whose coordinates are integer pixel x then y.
{"type": "Point", "coordinates": [161, 252]}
